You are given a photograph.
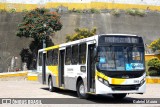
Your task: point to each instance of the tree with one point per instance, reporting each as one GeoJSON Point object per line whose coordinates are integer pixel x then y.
{"type": "Point", "coordinates": [81, 33]}
{"type": "Point", "coordinates": [155, 45]}
{"type": "Point", "coordinates": [38, 22]}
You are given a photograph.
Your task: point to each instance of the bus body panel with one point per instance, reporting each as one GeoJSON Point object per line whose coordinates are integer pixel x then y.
{"type": "Point", "coordinates": [53, 72]}
{"type": "Point", "coordinates": [73, 72]}
{"type": "Point", "coordinates": [118, 82]}
{"type": "Point", "coordinates": [107, 90]}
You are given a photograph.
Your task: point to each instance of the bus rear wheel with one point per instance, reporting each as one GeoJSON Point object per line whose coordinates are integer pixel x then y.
{"type": "Point", "coordinates": [81, 90]}
{"type": "Point", "coordinates": [119, 96]}
{"type": "Point", "coordinates": [50, 85]}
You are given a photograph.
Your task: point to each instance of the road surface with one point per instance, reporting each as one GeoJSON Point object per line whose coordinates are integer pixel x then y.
{"type": "Point", "coordinates": [32, 89]}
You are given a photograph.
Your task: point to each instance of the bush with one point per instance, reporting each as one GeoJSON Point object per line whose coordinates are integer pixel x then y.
{"type": "Point", "coordinates": [137, 12]}
{"type": "Point", "coordinates": [131, 12]}
{"type": "Point", "coordinates": [115, 12]}
{"type": "Point", "coordinates": [155, 62]}
{"type": "Point", "coordinates": [140, 12]}
{"type": "Point", "coordinates": [93, 10]}
{"type": "Point", "coordinates": [76, 10]}
{"type": "Point", "coordinates": [154, 67]}
{"type": "Point", "coordinates": [153, 73]}
{"type": "Point", "coordinates": [25, 10]}
{"type": "Point", "coordinates": [3, 11]}
{"type": "Point", "coordinates": [12, 10]}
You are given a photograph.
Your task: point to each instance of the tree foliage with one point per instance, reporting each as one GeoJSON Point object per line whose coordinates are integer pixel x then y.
{"type": "Point", "coordinates": [154, 62]}
{"type": "Point", "coordinates": [81, 33]}
{"type": "Point", "coordinates": [39, 23]}
{"type": "Point", "coordinates": [155, 45]}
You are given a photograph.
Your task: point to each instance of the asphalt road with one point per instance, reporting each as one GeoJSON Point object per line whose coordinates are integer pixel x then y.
{"type": "Point", "coordinates": [31, 89]}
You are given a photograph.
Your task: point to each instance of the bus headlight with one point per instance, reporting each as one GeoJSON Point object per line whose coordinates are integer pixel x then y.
{"type": "Point", "coordinates": [103, 81]}
{"type": "Point", "coordinates": [100, 79]}
{"type": "Point", "coordinates": [106, 82]}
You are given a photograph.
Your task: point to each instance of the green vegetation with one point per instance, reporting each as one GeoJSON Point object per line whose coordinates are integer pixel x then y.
{"type": "Point", "coordinates": [135, 12]}
{"type": "Point", "coordinates": [140, 12]}
{"type": "Point", "coordinates": [25, 10]}
{"type": "Point", "coordinates": [80, 34]}
{"type": "Point", "coordinates": [115, 12]}
{"type": "Point", "coordinates": [93, 10]}
{"type": "Point", "coordinates": [76, 11]}
{"type": "Point", "coordinates": [3, 11]}
{"type": "Point", "coordinates": [38, 24]}
{"type": "Point", "coordinates": [153, 67]}
{"type": "Point", "coordinates": [12, 11]}
{"type": "Point", "coordinates": [154, 62]}
{"type": "Point", "coordinates": [155, 45]}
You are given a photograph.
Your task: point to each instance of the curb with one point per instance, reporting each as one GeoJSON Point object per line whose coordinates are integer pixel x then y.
{"type": "Point", "coordinates": [153, 80]}
{"type": "Point", "coordinates": [13, 74]}
{"type": "Point", "coordinates": [32, 76]}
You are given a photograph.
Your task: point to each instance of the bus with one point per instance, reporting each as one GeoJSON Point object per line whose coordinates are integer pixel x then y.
{"type": "Point", "coordinates": [102, 64]}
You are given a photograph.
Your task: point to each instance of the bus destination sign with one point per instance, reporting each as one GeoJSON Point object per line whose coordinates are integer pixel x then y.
{"type": "Point", "coordinates": [118, 39]}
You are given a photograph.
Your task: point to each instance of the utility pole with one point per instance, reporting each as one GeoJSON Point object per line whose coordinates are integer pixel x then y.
{"type": "Point", "coordinates": [44, 60]}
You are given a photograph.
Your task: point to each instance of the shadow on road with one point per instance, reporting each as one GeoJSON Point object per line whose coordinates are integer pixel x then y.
{"type": "Point", "coordinates": [108, 99]}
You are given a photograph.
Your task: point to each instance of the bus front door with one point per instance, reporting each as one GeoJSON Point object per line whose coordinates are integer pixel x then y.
{"type": "Point", "coordinates": [91, 69]}
{"type": "Point", "coordinates": [61, 68]}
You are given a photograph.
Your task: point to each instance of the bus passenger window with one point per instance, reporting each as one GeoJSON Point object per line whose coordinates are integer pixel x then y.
{"type": "Point", "coordinates": [82, 53]}
{"type": "Point", "coordinates": [55, 57]}
{"type": "Point", "coordinates": [49, 58]}
{"type": "Point", "coordinates": [75, 54]}
{"type": "Point", "coordinates": [68, 56]}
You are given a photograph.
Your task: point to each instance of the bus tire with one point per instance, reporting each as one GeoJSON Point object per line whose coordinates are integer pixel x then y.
{"type": "Point", "coordinates": [81, 90]}
{"type": "Point", "coordinates": [50, 85]}
{"type": "Point", "coordinates": [119, 96]}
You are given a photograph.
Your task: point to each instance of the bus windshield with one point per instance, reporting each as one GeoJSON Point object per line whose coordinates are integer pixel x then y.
{"type": "Point", "coordinates": [120, 58]}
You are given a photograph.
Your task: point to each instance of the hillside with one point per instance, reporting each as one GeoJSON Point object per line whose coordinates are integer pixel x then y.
{"type": "Point", "coordinates": [147, 27]}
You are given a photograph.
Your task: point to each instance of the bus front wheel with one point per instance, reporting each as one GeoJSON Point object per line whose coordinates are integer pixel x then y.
{"type": "Point", "coordinates": [119, 96]}
{"type": "Point", "coordinates": [81, 90]}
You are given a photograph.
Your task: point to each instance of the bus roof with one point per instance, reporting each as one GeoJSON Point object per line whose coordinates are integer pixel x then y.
{"type": "Point", "coordinates": [49, 48]}
{"type": "Point", "coordinates": [83, 40]}
{"type": "Point", "coordinates": [116, 34]}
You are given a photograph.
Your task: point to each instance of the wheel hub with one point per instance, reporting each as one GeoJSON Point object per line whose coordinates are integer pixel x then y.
{"type": "Point", "coordinates": [82, 89]}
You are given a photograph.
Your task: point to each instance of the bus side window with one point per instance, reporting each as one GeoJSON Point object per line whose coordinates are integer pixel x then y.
{"type": "Point", "coordinates": [49, 58]}
{"type": "Point", "coordinates": [82, 53]}
{"type": "Point", "coordinates": [75, 54]}
{"type": "Point", "coordinates": [68, 56]}
{"type": "Point", "coordinates": [55, 57]}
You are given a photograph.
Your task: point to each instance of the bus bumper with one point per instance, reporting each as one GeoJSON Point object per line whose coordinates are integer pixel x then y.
{"type": "Point", "coordinates": [112, 89]}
